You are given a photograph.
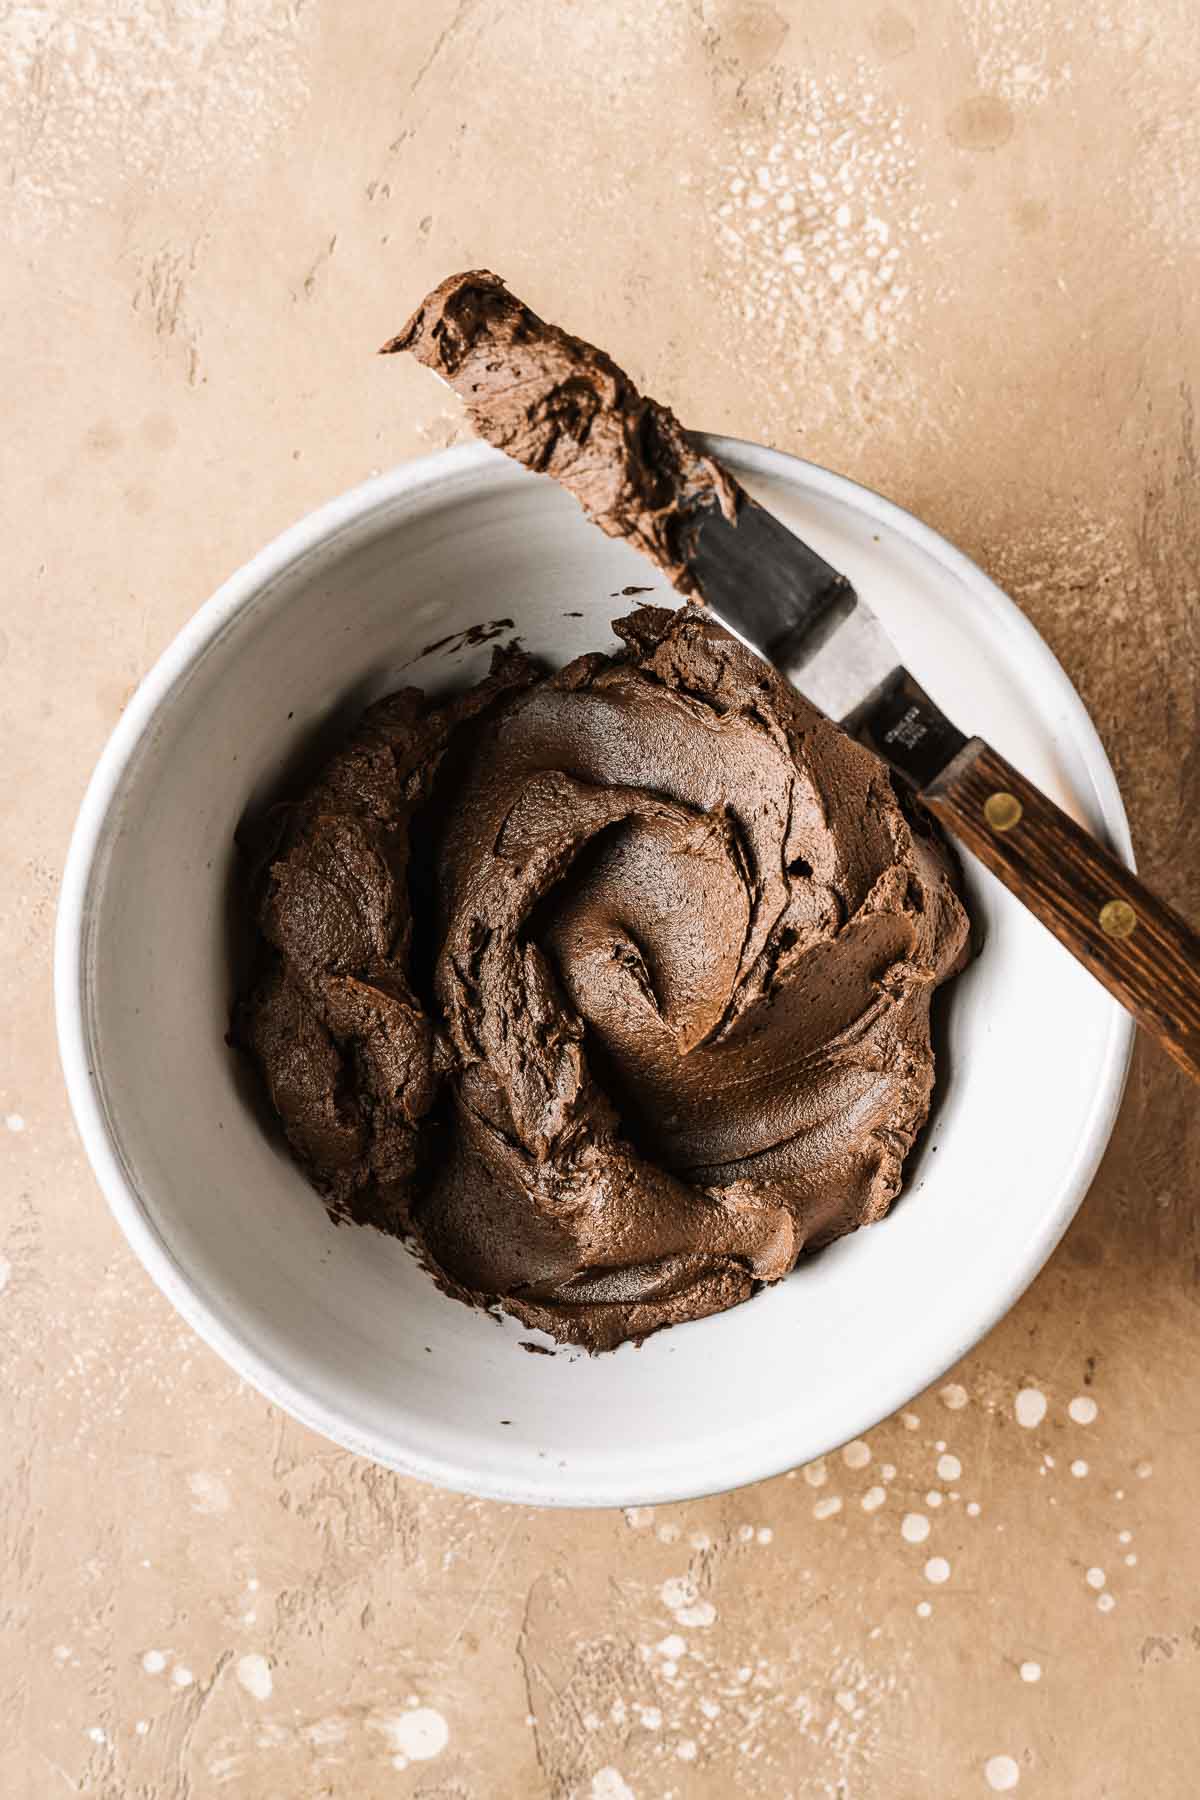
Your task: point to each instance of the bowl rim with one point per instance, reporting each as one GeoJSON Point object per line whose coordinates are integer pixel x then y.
{"type": "Point", "coordinates": [450, 472]}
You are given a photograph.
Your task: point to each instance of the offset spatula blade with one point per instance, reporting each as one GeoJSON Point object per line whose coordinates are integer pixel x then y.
{"type": "Point", "coordinates": [784, 601]}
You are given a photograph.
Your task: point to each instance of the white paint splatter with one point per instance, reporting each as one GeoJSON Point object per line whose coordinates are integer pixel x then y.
{"type": "Point", "coordinates": [815, 1473]}
{"type": "Point", "coordinates": [1095, 1578]}
{"type": "Point", "coordinates": [700, 1540]}
{"type": "Point", "coordinates": [1083, 1409]}
{"type": "Point", "coordinates": [954, 1396]}
{"type": "Point", "coordinates": [910, 1421]}
{"type": "Point", "coordinates": [698, 1616]}
{"type": "Point", "coordinates": [1079, 1468]}
{"type": "Point", "coordinates": [825, 1509]}
{"type": "Point", "coordinates": [638, 1517]}
{"type": "Point", "coordinates": [154, 1662]}
{"type": "Point", "coordinates": [745, 1534]}
{"type": "Point", "coordinates": [182, 1676]}
{"type": "Point", "coordinates": [414, 1736]}
{"type": "Point", "coordinates": [973, 1509]}
{"type": "Point", "coordinates": [924, 1609]}
{"type": "Point", "coordinates": [1144, 1471]}
{"type": "Point", "coordinates": [650, 1717]}
{"type": "Point", "coordinates": [669, 1534]}
{"type": "Point", "coordinates": [672, 1645]}
{"type": "Point", "coordinates": [1030, 1407]}
{"type": "Point", "coordinates": [608, 1784]}
{"type": "Point", "coordinates": [254, 1673]}
{"type": "Point", "coordinates": [1131, 1560]}
{"type": "Point", "coordinates": [856, 1455]}
{"type": "Point", "coordinates": [142, 1727]}
{"type": "Point", "coordinates": [888, 1471]}
{"type": "Point", "coordinates": [14, 1122]}
{"type": "Point", "coordinates": [764, 1535]}
{"type": "Point", "coordinates": [209, 1493]}
{"type": "Point", "coordinates": [1001, 1774]}
{"type": "Point", "coordinates": [685, 1749]}
{"type": "Point", "coordinates": [97, 1734]}
{"type": "Point", "coordinates": [937, 1570]}
{"type": "Point", "coordinates": [1124, 1537]}
{"type": "Point", "coordinates": [1031, 1671]}
{"type": "Point", "coordinates": [62, 1653]}
{"type": "Point", "coordinates": [914, 1528]}
{"type": "Point", "coordinates": [949, 1468]}
{"type": "Point", "coordinates": [873, 1499]}
{"type": "Point", "coordinates": [1105, 1603]}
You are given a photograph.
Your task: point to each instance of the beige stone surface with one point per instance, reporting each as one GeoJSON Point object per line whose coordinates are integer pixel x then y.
{"type": "Point", "coordinates": [951, 247]}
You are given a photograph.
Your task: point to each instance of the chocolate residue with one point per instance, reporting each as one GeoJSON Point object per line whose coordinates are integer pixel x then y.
{"type": "Point", "coordinates": [464, 640]}
{"type": "Point", "coordinates": [610, 986]}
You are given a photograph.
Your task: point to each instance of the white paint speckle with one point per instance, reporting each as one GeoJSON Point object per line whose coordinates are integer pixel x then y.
{"type": "Point", "coordinates": [745, 1534]}
{"type": "Point", "coordinates": [154, 1662]}
{"type": "Point", "coordinates": [1031, 1671]}
{"type": "Point", "coordinates": [1144, 1471]}
{"type": "Point", "coordinates": [672, 1645]}
{"type": "Point", "coordinates": [650, 1717]}
{"type": "Point", "coordinates": [62, 1653]}
{"type": "Point", "coordinates": [845, 1700]}
{"type": "Point", "coordinates": [933, 1497]}
{"type": "Point", "coordinates": [825, 1509]}
{"type": "Point", "coordinates": [608, 1784]}
{"type": "Point", "coordinates": [764, 1535]}
{"type": "Point", "coordinates": [1079, 1468]}
{"type": "Point", "coordinates": [182, 1676]}
{"type": "Point", "coordinates": [873, 1499]}
{"type": "Point", "coordinates": [914, 1528]}
{"type": "Point", "coordinates": [1131, 1560]}
{"type": "Point", "coordinates": [254, 1673]}
{"type": "Point", "coordinates": [710, 1709]}
{"type": "Point", "coordinates": [856, 1455]}
{"type": "Point", "coordinates": [1124, 1537]}
{"type": "Point", "coordinates": [973, 1509]}
{"type": "Point", "coordinates": [888, 1471]}
{"type": "Point", "coordinates": [815, 1473]}
{"type": "Point", "coordinates": [638, 1517]}
{"type": "Point", "coordinates": [1083, 1409]}
{"type": "Point", "coordinates": [924, 1609]}
{"type": "Point", "coordinates": [1001, 1774]}
{"type": "Point", "coordinates": [699, 1616]}
{"type": "Point", "coordinates": [954, 1396]}
{"type": "Point", "coordinates": [1095, 1578]}
{"type": "Point", "coordinates": [910, 1421]}
{"type": "Point", "coordinates": [14, 1122]}
{"type": "Point", "coordinates": [669, 1534]}
{"type": "Point", "coordinates": [685, 1749]}
{"type": "Point", "coordinates": [949, 1468]}
{"type": "Point", "coordinates": [97, 1734]}
{"type": "Point", "coordinates": [414, 1736]}
{"type": "Point", "coordinates": [209, 1493]}
{"type": "Point", "coordinates": [142, 1727]}
{"type": "Point", "coordinates": [937, 1570]}
{"type": "Point", "coordinates": [5, 1273]}
{"type": "Point", "coordinates": [700, 1540]}
{"type": "Point", "coordinates": [1105, 1602]}
{"type": "Point", "coordinates": [1030, 1407]}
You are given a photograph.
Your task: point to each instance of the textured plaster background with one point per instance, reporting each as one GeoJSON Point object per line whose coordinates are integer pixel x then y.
{"type": "Point", "coordinates": [951, 247]}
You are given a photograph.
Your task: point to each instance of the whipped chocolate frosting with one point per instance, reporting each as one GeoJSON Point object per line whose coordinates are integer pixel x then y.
{"type": "Point", "coordinates": [564, 408]}
{"type": "Point", "coordinates": [609, 987]}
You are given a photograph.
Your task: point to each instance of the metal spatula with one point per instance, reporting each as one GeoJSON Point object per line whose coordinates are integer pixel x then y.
{"type": "Point", "coordinates": [784, 601]}
{"type": "Point", "coordinates": [565, 409]}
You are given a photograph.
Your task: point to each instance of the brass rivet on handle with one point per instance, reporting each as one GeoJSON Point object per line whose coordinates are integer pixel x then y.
{"type": "Point", "coordinates": [1118, 919]}
{"type": "Point", "coordinates": [1002, 811]}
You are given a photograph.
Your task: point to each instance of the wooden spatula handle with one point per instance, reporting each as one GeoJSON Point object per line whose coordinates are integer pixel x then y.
{"type": "Point", "coordinates": [1143, 952]}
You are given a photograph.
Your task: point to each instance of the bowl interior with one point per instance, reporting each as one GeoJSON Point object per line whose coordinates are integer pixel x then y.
{"type": "Point", "coordinates": [341, 1325]}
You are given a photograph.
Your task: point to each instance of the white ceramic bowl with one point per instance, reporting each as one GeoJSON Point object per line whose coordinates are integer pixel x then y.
{"type": "Point", "coordinates": [340, 1325]}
